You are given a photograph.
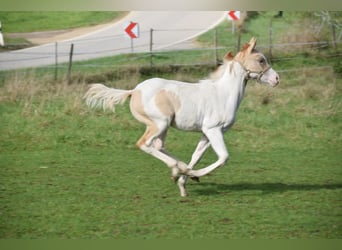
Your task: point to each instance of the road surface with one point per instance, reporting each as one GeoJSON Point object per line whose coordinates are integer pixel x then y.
{"type": "Point", "coordinates": [170, 29]}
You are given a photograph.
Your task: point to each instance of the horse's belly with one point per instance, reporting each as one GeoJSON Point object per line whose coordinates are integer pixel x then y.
{"type": "Point", "coordinates": [186, 128]}
{"type": "Point", "coordinates": [186, 122]}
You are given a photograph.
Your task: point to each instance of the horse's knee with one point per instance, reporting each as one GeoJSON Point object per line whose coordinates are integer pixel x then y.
{"type": "Point", "coordinates": [223, 158]}
{"type": "Point", "coordinates": [144, 148]}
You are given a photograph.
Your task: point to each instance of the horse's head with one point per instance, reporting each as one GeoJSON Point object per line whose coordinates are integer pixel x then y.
{"type": "Point", "coordinates": [255, 64]}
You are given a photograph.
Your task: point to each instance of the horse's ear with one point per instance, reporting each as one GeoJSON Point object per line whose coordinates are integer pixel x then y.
{"type": "Point", "coordinates": [245, 47]}
{"type": "Point", "coordinates": [228, 57]}
{"type": "Point", "coordinates": [248, 47]}
{"type": "Point", "coordinates": [252, 44]}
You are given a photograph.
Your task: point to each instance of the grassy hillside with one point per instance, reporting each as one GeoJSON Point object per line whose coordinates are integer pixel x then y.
{"type": "Point", "coordinates": [293, 26]}
{"type": "Point", "coordinates": [13, 22]}
{"type": "Point", "coordinates": [16, 24]}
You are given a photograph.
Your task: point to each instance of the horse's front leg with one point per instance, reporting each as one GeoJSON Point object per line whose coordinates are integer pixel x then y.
{"type": "Point", "coordinates": [215, 136]}
{"type": "Point", "coordinates": [202, 146]}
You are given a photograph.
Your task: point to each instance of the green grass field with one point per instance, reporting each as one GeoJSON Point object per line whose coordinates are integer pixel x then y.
{"type": "Point", "coordinates": [26, 21]}
{"type": "Point", "coordinates": [40, 21]}
{"type": "Point", "coordinates": [71, 172]}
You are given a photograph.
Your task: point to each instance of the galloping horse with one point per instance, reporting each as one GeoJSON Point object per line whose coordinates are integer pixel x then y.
{"type": "Point", "coordinates": [209, 106]}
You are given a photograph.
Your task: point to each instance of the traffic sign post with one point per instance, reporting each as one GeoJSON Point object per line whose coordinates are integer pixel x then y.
{"type": "Point", "coordinates": [132, 31]}
{"type": "Point", "coordinates": [233, 15]}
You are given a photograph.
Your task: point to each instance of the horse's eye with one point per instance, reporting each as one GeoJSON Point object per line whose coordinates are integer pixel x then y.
{"type": "Point", "coordinates": [262, 61]}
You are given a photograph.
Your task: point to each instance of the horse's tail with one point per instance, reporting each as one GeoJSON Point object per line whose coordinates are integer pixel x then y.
{"type": "Point", "coordinates": [98, 95]}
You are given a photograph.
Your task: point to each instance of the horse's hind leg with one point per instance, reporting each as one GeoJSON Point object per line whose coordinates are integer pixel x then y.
{"type": "Point", "coordinates": [159, 144]}
{"type": "Point", "coordinates": [152, 142]}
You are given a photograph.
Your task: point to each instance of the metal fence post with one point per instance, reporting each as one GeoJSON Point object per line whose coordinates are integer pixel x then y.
{"type": "Point", "coordinates": [151, 45]}
{"type": "Point", "coordinates": [270, 40]}
{"type": "Point", "coordinates": [215, 43]}
{"type": "Point", "coordinates": [70, 62]}
{"type": "Point", "coordinates": [238, 46]}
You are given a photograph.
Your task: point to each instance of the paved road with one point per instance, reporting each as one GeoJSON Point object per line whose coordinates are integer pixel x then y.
{"type": "Point", "coordinates": [170, 28]}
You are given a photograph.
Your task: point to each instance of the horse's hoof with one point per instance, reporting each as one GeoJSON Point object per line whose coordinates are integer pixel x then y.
{"type": "Point", "coordinates": [183, 194]}
{"type": "Point", "coordinates": [194, 178]}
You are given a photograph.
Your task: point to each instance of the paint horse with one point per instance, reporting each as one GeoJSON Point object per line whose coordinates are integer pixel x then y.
{"type": "Point", "coordinates": [209, 106]}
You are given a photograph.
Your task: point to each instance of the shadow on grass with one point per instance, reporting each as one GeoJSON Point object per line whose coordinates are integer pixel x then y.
{"type": "Point", "coordinates": [266, 188]}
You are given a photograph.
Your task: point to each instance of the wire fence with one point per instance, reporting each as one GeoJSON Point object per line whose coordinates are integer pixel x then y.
{"type": "Point", "coordinates": [189, 46]}
{"type": "Point", "coordinates": [72, 55]}
{"type": "Point", "coordinates": [205, 55]}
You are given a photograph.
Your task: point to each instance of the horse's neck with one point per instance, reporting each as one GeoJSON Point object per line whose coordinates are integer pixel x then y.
{"type": "Point", "coordinates": [232, 83]}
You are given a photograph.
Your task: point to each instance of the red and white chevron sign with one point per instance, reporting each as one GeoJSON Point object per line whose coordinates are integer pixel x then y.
{"type": "Point", "coordinates": [233, 15]}
{"type": "Point", "coordinates": [132, 30]}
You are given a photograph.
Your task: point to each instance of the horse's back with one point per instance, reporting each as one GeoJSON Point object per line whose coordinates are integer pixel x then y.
{"type": "Point", "coordinates": [153, 86]}
{"type": "Point", "coordinates": [161, 83]}
{"type": "Point", "coordinates": [179, 103]}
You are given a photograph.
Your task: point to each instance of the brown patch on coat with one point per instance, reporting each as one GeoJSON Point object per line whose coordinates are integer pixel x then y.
{"type": "Point", "coordinates": [167, 102]}
{"type": "Point", "coordinates": [137, 110]}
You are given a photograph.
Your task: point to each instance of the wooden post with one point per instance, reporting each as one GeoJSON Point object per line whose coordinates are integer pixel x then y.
{"type": "Point", "coordinates": [70, 62]}
{"type": "Point", "coordinates": [56, 61]}
{"type": "Point", "coordinates": [151, 47]}
{"type": "Point", "coordinates": [334, 35]}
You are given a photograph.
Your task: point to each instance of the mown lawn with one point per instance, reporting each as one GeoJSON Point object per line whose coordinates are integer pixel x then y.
{"type": "Point", "coordinates": [70, 172]}
{"type": "Point", "coordinates": [33, 21]}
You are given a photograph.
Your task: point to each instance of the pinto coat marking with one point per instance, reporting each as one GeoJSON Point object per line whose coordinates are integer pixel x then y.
{"type": "Point", "coordinates": [209, 106]}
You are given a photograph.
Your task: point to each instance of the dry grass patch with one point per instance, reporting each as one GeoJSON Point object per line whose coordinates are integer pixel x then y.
{"type": "Point", "coordinates": [35, 95]}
